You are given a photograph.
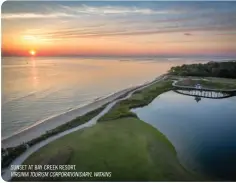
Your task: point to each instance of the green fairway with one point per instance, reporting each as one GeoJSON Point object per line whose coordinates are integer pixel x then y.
{"type": "Point", "coordinates": [128, 147]}
{"type": "Point", "coordinates": [120, 143]}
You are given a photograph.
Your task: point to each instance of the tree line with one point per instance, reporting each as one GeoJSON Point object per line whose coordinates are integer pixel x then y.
{"type": "Point", "coordinates": [210, 69]}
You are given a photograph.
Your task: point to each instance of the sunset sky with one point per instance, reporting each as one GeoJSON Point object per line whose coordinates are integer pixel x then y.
{"type": "Point", "coordinates": [119, 28]}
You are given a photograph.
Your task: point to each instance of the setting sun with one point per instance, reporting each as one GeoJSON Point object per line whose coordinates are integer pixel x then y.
{"type": "Point", "coordinates": [32, 52]}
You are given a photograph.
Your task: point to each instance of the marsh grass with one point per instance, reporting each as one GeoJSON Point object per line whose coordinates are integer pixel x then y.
{"type": "Point", "coordinates": [138, 99]}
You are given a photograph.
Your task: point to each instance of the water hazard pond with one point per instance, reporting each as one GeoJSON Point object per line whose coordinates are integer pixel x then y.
{"type": "Point", "coordinates": [202, 131]}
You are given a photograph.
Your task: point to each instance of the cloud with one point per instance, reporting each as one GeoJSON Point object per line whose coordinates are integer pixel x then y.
{"type": "Point", "coordinates": [188, 34]}
{"type": "Point", "coordinates": [103, 10]}
{"type": "Point", "coordinates": [95, 32]}
{"type": "Point", "coordinates": [34, 15]}
{"type": "Point", "coordinates": [70, 11]}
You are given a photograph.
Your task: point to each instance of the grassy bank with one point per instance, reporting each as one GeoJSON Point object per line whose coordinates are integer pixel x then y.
{"type": "Point", "coordinates": [120, 143]}
{"type": "Point", "coordinates": [138, 99]}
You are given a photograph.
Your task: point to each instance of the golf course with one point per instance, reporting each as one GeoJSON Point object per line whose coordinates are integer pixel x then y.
{"type": "Point", "coordinates": [120, 143]}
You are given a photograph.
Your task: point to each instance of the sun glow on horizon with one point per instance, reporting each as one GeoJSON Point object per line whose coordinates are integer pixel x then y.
{"type": "Point", "coordinates": [32, 52]}
{"type": "Point", "coordinates": [127, 28]}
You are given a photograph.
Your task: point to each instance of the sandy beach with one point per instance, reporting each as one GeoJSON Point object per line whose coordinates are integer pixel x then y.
{"type": "Point", "coordinates": [39, 129]}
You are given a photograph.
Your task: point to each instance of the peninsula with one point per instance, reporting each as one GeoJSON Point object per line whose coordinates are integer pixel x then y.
{"type": "Point", "coordinates": [117, 140]}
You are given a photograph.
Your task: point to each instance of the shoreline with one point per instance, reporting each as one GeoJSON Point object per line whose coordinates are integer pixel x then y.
{"type": "Point", "coordinates": [122, 95]}
{"type": "Point", "coordinates": [45, 120]}
{"type": "Point", "coordinates": [39, 129]}
{"type": "Point", "coordinates": [93, 121]}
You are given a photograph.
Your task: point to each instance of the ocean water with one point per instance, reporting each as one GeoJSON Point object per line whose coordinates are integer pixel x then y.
{"type": "Point", "coordinates": [202, 132]}
{"type": "Point", "coordinates": [35, 89]}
